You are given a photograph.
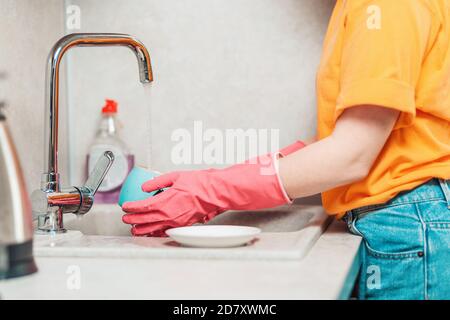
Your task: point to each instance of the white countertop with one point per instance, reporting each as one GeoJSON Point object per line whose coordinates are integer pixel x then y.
{"type": "Point", "coordinates": [327, 272]}
{"type": "Point", "coordinates": [288, 233]}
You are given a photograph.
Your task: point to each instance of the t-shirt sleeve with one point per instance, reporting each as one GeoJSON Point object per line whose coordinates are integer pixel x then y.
{"type": "Point", "coordinates": [384, 44]}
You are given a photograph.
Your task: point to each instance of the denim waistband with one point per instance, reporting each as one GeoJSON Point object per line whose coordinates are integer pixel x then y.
{"type": "Point", "coordinates": [434, 189]}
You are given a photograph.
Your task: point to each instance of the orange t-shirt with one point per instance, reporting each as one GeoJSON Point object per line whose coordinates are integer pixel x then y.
{"type": "Point", "coordinates": [395, 54]}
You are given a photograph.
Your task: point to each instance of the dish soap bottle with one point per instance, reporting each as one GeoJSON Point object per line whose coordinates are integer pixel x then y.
{"type": "Point", "coordinates": [107, 139]}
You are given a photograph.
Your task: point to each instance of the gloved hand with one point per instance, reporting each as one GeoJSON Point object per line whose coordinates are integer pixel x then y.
{"type": "Point", "coordinates": [198, 196]}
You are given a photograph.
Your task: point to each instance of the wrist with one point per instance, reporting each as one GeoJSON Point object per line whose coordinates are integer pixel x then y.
{"type": "Point", "coordinates": [276, 164]}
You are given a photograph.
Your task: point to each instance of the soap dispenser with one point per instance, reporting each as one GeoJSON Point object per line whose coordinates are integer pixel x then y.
{"type": "Point", "coordinates": [108, 138]}
{"type": "Point", "coordinates": [16, 229]}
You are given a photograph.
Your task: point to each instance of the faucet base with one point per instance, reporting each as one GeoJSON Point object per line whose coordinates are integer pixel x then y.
{"type": "Point", "coordinates": [51, 222]}
{"type": "Point", "coordinates": [47, 232]}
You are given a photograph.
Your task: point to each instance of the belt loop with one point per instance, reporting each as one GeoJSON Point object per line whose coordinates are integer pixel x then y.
{"type": "Point", "coordinates": [446, 190]}
{"type": "Point", "coordinates": [348, 218]}
{"type": "Point", "coordinates": [351, 218]}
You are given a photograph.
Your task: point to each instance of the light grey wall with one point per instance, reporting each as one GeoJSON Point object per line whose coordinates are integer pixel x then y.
{"type": "Point", "coordinates": [28, 29]}
{"type": "Point", "coordinates": [231, 64]}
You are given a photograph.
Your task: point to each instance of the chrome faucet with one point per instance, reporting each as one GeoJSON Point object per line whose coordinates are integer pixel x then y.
{"type": "Point", "coordinates": [51, 201]}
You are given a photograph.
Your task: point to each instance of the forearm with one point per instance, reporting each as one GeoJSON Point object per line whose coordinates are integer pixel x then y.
{"type": "Point", "coordinates": [344, 157]}
{"type": "Point", "coordinates": [323, 165]}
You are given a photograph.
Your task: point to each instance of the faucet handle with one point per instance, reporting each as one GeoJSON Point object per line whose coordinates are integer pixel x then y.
{"type": "Point", "coordinates": [94, 181]}
{"type": "Point", "coordinates": [99, 172]}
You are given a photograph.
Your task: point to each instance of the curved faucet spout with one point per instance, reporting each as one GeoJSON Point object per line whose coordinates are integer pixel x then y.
{"type": "Point", "coordinates": [52, 87]}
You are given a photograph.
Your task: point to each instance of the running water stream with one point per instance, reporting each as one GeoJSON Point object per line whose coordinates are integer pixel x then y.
{"type": "Point", "coordinates": [147, 88]}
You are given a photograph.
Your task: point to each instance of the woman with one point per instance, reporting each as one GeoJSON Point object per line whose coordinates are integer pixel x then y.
{"type": "Point", "coordinates": [382, 161]}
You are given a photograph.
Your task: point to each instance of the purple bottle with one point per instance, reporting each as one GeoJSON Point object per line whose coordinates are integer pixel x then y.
{"type": "Point", "coordinates": [107, 138]}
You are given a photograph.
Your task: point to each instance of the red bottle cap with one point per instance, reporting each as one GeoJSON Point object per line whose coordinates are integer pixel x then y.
{"type": "Point", "coordinates": [110, 106]}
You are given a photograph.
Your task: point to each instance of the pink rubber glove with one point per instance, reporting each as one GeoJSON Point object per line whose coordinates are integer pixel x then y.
{"type": "Point", "coordinates": [198, 196]}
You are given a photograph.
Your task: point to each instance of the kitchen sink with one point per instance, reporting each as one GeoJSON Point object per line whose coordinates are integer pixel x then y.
{"type": "Point", "coordinates": [288, 232]}
{"type": "Point", "coordinates": [106, 220]}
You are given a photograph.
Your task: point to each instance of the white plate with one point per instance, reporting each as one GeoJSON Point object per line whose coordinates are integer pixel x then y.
{"type": "Point", "coordinates": [213, 236]}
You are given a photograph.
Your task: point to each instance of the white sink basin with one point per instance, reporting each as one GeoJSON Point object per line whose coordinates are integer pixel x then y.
{"type": "Point", "coordinates": [106, 220]}
{"type": "Point", "coordinates": [288, 233]}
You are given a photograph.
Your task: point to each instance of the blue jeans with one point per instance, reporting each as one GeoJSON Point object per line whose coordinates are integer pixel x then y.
{"type": "Point", "coordinates": [406, 250]}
